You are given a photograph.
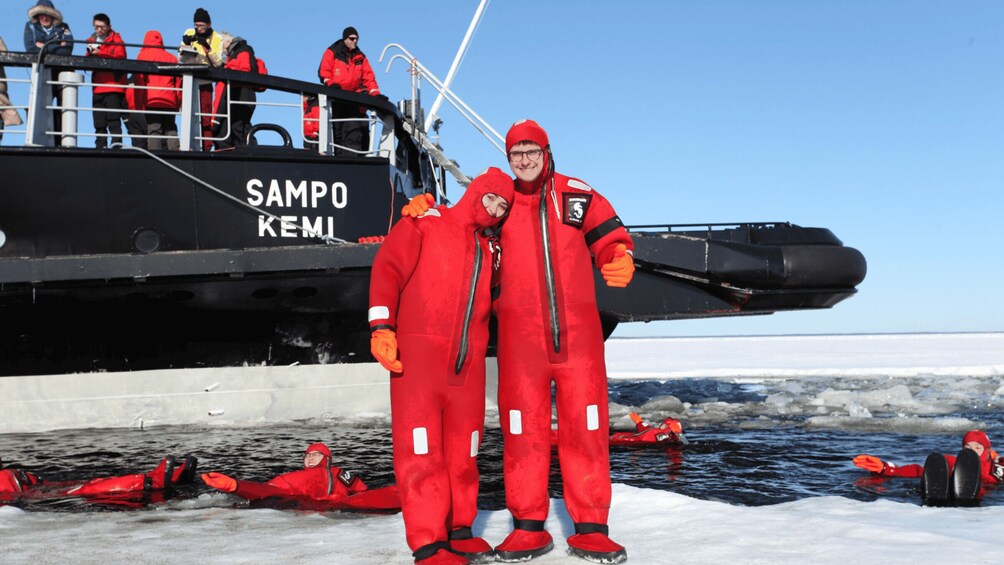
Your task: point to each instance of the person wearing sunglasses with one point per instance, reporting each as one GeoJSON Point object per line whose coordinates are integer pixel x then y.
{"type": "Point", "coordinates": [344, 66]}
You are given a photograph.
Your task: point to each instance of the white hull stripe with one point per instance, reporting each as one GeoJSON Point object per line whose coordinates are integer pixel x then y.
{"type": "Point", "coordinates": [475, 440]}
{"type": "Point", "coordinates": [421, 439]}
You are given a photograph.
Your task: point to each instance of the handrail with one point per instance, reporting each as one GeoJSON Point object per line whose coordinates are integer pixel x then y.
{"type": "Point", "coordinates": [671, 227]}
{"type": "Point", "coordinates": [469, 114]}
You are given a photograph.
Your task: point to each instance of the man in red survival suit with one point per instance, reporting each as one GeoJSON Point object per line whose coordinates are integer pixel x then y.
{"type": "Point", "coordinates": [430, 301]}
{"type": "Point", "coordinates": [549, 331]}
{"type": "Point", "coordinates": [319, 481]}
{"type": "Point", "coordinates": [16, 483]}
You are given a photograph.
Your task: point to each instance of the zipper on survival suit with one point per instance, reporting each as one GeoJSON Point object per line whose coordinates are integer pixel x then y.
{"type": "Point", "coordinates": [552, 298]}
{"type": "Point", "coordinates": [469, 311]}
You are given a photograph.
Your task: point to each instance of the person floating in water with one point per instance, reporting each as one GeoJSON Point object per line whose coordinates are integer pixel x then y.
{"type": "Point", "coordinates": [18, 483]}
{"type": "Point", "coordinates": [318, 485]}
{"type": "Point", "coordinates": [669, 431]}
{"type": "Point", "coordinates": [991, 467]}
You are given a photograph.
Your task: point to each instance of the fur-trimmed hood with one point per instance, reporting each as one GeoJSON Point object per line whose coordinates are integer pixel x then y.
{"type": "Point", "coordinates": [45, 7]}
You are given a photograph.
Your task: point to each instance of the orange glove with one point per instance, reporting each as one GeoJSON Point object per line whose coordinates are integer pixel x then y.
{"type": "Point", "coordinates": [620, 269]}
{"type": "Point", "coordinates": [638, 422]}
{"type": "Point", "coordinates": [418, 205]}
{"type": "Point", "coordinates": [870, 463]}
{"type": "Point", "coordinates": [383, 346]}
{"type": "Point", "coordinates": [219, 481]}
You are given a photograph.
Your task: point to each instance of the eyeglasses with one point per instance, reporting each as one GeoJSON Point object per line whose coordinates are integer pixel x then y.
{"type": "Point", "coordinates": [532, 154]}
{"type": "Point", "coordinates": [100, 26]}
{"type": "Point", "coordinates": [351, 39]}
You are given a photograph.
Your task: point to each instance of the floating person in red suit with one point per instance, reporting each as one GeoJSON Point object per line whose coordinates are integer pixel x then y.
{"type": "Point", "coordinates": [431, 291]}
{"type": "Point", "coordinates": [134, 489]}
{"type": "Point", "coordinates": [549, 331]}
{"type": "Point", "coordinates": [939, 471]}
{"type": "Point", "coordinates": [669, 431]}
{"type": "Point", "coordinates": [318, 486]}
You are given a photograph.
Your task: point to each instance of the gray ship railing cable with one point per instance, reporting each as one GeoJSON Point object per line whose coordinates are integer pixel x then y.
{"type": "Point", "coordinates": [329, 239]}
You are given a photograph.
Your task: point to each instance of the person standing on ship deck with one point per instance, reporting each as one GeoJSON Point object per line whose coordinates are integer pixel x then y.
{"type": "Point", "coordinates": [345, 67]}
{"type": "Point", "coordinates": [203, 46]}
{"type": "Point", "coordinates": [109, 86]}
{"type": "Point", "coordinates": [46, 32]}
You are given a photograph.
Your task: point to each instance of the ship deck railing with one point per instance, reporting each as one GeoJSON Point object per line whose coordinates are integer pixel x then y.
{"type": "Point", "coordinates": [282, 103]}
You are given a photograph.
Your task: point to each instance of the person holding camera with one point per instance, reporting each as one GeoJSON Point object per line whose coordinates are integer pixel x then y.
{"type": "Point", "coordinates": [109, 86]}
{"type": "Point", "coordinates": [201, 45]}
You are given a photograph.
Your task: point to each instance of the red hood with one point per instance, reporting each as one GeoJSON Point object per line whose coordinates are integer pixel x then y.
{"type": "Point", "coordinates": [155, 48]}
{"type": "Point", "coordinates": [471, 210]}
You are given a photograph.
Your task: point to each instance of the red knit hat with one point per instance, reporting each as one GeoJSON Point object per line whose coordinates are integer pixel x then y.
{"type": "Point", "coordinates": [977, 436]}
{"type": "Point", "coordinates": [525, 130]}
{"type": "Point", "coordinates": [320, 448]}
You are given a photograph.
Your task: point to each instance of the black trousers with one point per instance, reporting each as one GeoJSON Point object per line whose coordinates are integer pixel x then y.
{"type": "Point", "coordinates": [109, 119]}
{"type": "Point", "coordinates": [354, 134]}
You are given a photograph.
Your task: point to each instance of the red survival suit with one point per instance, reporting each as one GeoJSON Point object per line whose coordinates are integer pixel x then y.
{"type": "Point", "coordinates": [991, 466]}
{"type": "Point", "coordinates": [320, 487]}
{"type": "Point", "coordinates": [168, 473]}
{"type": "Point", "coordinates": [432, 284]}
{"type": "Point", "coordinates": [322, 481]}
{"type": "Point", "coordinates": [14, 481]}
{"type": "Point", "coordinates": [549, 330]}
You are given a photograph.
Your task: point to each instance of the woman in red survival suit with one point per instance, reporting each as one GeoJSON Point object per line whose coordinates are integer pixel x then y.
{"type": "Point", "coordinates": [319, 481]}
{"type": "Point", "coordinates": [15, 483]}
{"type": "Point", "coordinates": [430, 301]}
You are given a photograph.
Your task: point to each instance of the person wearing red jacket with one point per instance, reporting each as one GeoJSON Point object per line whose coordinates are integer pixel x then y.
{"type": "Point", "coordinates": [319, 481]}
{"type": "Point", "coordinates": [345, 67]}
{"type": "Point", "coordinates": [235, 103]}
{"type": "Point", "coordinates": [991, 465]}
{"type": "Point", "coordinates": [168, 473]}
{"type": "Point", "coordinates": [14, 481]}
{"type": "Point", "coordinates": [158, 93]}
{"type": "Point", "coordinates": [549, 332]}
{"type": "Point", "coordinates": [430, 303]}
{"type": "Point", "coordinates": [109, 86]}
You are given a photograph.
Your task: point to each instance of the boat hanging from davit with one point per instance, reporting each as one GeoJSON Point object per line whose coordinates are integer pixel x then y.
{"type": "Point", "coordinates": [178, 287]}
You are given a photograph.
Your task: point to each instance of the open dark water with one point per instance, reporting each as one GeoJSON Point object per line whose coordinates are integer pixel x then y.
{"type": "Point", "coordinates": [748, 445]}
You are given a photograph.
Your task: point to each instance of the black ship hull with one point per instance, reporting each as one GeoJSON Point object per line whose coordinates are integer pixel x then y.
{"type": "Point", "coordinates": [127, 260]}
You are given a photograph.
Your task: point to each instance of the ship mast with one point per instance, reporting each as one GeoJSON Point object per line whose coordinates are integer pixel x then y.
{"type": "Point", "coordinates": [456, 62]}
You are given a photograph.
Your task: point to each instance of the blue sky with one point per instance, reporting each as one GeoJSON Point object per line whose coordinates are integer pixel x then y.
{"type": "Point", "coordinates": [881, 120]}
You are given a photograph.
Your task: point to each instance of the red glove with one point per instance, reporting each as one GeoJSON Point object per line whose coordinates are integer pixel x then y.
{"type": "Point", "coordinates": [870, 463]}
{"type": "Point", "coordinates": [418, 205]}
{"type": "Point", "coordinates": [219, 481]}
{"type": "Point", "coordinates": [383, 346]}
{"type": "Point", "coordinates": [620, 269]}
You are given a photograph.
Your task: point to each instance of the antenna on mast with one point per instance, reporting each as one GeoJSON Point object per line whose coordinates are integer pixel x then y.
{"type": "Point", "coordinates": [456, 62]}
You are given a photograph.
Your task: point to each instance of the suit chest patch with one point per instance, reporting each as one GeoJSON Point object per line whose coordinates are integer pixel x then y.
{"type": "Point", "coordinates": [576, 206]}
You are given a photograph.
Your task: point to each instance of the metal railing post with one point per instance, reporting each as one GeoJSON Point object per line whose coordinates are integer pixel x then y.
{"type": "Point", "coordinates": [68, 107]}
{"type": "Point", "coordinates": [190, 125]}
{"type": "Point", "coordinates": [39, 119]}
